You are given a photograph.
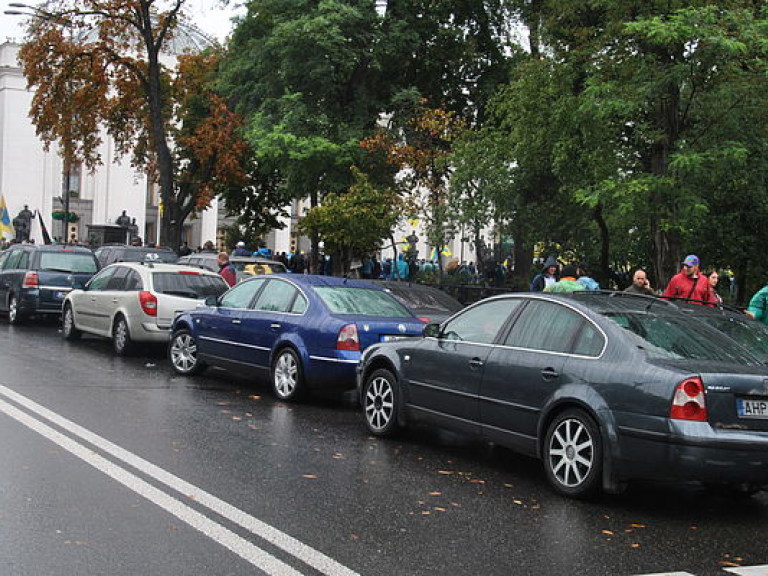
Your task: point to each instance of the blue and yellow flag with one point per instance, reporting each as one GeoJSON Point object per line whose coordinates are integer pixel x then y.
{"type": "Point", "coordinates": [6, 229]}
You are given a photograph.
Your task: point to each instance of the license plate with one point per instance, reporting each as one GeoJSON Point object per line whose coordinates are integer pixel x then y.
{"type": "Point", "coordinates": [752, 408]}
{"type": "Point", "coordinates": [58, 295]}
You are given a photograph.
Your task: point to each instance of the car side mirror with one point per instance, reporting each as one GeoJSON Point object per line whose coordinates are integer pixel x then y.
{"type": "Point", "coordinates": [432, 331]}
{"type": "Point", "coordinates": [211, 301]}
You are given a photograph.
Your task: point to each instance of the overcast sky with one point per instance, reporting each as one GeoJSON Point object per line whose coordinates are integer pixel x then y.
{"type": "Point", "coordinates": [211, 16]}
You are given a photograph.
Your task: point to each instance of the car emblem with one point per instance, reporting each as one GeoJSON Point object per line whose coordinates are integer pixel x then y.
{"type": "Point", "coordinates": [401, 328]}
{"type": "Point", "coordinates": [366, 328]}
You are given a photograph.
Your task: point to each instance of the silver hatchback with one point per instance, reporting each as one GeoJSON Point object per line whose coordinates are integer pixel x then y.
{"type": "Point", "coordinates": [134, 302]}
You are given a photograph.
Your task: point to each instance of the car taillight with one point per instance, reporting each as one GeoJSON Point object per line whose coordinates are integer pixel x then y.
{"type": "Point", "coordinates": [348, 339]}
{"type": "Point", "coordinates": [30, 280]}
{"type": "Point", "coordinates": [148, 303]}
{"type": "Point", "coordinates": [425, 319]}
{"type": "Point", "coordinates": [689, 402]}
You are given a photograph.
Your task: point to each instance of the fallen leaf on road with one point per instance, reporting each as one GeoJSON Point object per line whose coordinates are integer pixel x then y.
{"type": "Point", "coordinates": [254, 397]}
{"type": "Point", "coordinates": [236, 418]}
{"type": "Point", "coordinates": [310, 476]}
{"type": "Point", "coordinates": [439, 509]}
{"type": "Point", "coordinates": [607, 532]}
{"type": "Point", "coordinates": [445, 472]}
{"type": "Point", "coordinates": [728, 563]}
{"type": "Point", "coordinates": [435, 493]}
{"type": "Point", "coordinates": [634, 545]}
{"type": "Point", "coordinates": [638, 526]}
{"type": "Point", "coordinates": [518, 502]}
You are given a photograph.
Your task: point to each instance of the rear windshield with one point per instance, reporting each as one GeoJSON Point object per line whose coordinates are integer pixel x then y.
{"type": "Point", "coordinates": [71, 262]}
{"type": "Point", "coordinates": [676, 336]}
{"type": "Point", "coordinates": [259, 268]}
{"type": "Point", "coordinates": [346, 300]}
{"type": "Point", "coordinates": [196, 286]}
{"type": "Point", "coordinates": [167, 256]}
{"type": "Point", "coordinates": [425, 299]}
{"type": "Point", "coordinates": [749, 333]}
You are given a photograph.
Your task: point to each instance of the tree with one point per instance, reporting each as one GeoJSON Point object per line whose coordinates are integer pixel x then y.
{"type": "Point", "coordinates": [99, 64]}
{"type": "Point", "coordinates": [421, 154]}
{"type": "Point", "coordinates": [352, 224]}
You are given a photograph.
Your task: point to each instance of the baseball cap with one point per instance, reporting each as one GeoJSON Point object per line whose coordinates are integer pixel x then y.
{"type": "Point", "coordinates": [691, 260]}
{"type": "Point", "coordinates": [241, 244]}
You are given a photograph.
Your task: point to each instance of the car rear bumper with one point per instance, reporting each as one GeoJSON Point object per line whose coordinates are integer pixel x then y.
{"type": "Point", "coordinates": [32, 301]}
{"type": "Point", "coordinates": [149, 332]}
{"type": "Point", "coordinates": [695, 451]}
{"type": "Point", "coordinates": [332, 372]}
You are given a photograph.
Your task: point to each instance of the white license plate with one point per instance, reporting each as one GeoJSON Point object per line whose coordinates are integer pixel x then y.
{"type": "Point", "coordinates": [746, 408]}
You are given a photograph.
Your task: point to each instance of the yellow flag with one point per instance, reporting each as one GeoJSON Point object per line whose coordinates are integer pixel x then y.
{"type": "Point", "coordinates": [6, 228]}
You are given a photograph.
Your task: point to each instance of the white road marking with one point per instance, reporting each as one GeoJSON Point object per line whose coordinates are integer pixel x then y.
{"type": "Point", "coordinates": [294, 547]}
{"type": "Point", "coordinates": [749, 570]}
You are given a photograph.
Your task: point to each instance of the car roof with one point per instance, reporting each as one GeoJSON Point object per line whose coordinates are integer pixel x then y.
{"type": "Point", "coordinates": [52, 248]}
{"type": "Point", "coordinates": [130, 248]}
{"type": "Point", "coordinates": [155, 266]}
{"type": "Point", "coordinates": [317, 280]}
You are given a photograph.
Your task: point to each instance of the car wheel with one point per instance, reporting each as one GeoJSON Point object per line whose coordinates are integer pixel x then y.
{"type": "Point", "coordinates": [182, 352]}
{"type": "Point", "coordinates": [121, 337]}
{"type": "Point", "coordinates": [14, 314]}
{"type": "Point", "coordinates": [68, 324]}
{"type": "Point", "coordinates": [381, 403]}
{"type": "Point", "coordinates": [287, 379]}
{"type": "Point", "coordinates": [573, 454]}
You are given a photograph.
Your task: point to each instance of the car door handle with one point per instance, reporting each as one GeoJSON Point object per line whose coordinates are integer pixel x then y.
{"type": "Point", "coordinates": [236, 322]}
{"type": "Point", "coordinates": [275, 326]}
{"type": "Point", "coordinates": [475, 363]}
{"type": "Point", "coordinates": [549, 374]}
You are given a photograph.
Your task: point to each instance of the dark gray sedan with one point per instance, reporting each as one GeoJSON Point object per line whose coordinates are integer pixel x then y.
{"type": "Point", "coordinates": [604, 388]}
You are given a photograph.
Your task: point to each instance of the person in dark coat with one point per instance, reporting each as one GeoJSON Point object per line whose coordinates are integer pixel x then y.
{"type": "Point", "coordinates": [547, 276]}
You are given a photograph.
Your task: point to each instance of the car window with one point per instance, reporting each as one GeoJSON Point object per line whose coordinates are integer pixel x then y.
{"type": "Point", "coordinates": [117, 281]}
{"type": "Point", "coordinates": [133, 281]}
{"type": "Point", "coordinates": [299, 305]}
{"type": "Point", "coordinates": [23, 260]}
{"type": "Point", "coordinates": [481, 323]}
{"type": "Point", "coordinates": [589, 341]}
{"type": "Point", "coordinates": [100, 280]}
{"type": "Point", "coordinates": [72, 262]}
{"type": "Point", "coordinates": [678, 336]}
{"type": "Point", "coordinates": [365, 301]}
{"type": "Point", "coordinates": [188, 285]}
{"type": "Point", "coordinates": [277, 296]}
{"type": "Point", "coordinates": [546, 326]}
{"type": "Point", "coordinates": [13, 260]}
{"type": "Point", "coordinates": [425, 299]}
{"type": "Point", "coordinates": [241, 295]}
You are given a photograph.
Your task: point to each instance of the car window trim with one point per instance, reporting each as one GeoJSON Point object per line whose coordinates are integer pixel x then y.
{"type": "Point", "coordinates": [299, 291]}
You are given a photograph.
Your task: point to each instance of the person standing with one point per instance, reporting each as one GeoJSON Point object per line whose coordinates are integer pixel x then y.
{"type": "Point", "coordinates": [689, 283]}
{"type": "Point", "coordinates": [758, 305]}
{"type": "Point", "coordinates": [582, 272]}
{"type": "Point", "coordinates": [640, 284]}
{"type": "Point", "coordinates": [226, 270]}
{"type": "Point", "coordinates": [547, 276]}
{"type": "Point", "coordinates": [713, 278]}
{"type": "Point", "coordinates": [567, 283]}
{"type": "Point", "coordinates": [241, 250]}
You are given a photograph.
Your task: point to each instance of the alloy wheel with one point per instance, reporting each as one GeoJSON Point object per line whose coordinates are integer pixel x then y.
{"type": "Point", "coordinates": [184, 353]}
{"type": "Point", "coordinates": [379, 403]}
{"type": "Point", "coordinates": [285, 376]}
{"type": "Point", "coordinates": [571, 453]}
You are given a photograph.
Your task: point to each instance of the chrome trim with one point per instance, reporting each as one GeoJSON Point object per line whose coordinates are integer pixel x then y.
{"type": "Point", "coordinates": [337, 360]}
{"type": "Point", "coordinates": [522, 407]}
{"type": "Point", "coordinates": [220, 341]}
{"type": "Point", "coordinates": [442, 389]}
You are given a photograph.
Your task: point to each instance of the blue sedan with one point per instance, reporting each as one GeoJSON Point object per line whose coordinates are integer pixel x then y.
{"type": "Point", "coordinates": [307, 331]}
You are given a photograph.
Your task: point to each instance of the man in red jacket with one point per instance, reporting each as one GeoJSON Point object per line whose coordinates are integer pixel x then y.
{"type": "Point", "coordinates": [689, 284]}
{"type": "Point", "coordinates": [226, 270]}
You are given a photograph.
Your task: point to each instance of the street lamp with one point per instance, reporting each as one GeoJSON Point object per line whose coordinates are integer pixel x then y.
{"type": "Point", "coordinates": [35, 12]}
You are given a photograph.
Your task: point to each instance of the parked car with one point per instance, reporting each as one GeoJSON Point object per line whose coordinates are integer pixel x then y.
{"type": "Point", "coordinates": [429, 304]}
{"type": "Point", "coordinates": [132, 302]}
{"type": "Point", "coordinates": [245, 266]}
{"type": "Point", "coordinates": [602, 387]}
{"type": "Point", "coordinates": [34, 279]}
{"type": "Point", "coordinates": [112, 253]}
{"type": "Point", "coordinates": [306, 331]}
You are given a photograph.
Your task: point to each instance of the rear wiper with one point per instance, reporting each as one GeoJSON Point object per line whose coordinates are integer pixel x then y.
{"type": "Point", "coordinates": [65, 270]}
{"type": "Point", "coordinates": [182, 293]}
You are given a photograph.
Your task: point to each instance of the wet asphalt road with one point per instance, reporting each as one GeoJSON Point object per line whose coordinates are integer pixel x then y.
{"type": "Point", "coordinates": [429, 502]}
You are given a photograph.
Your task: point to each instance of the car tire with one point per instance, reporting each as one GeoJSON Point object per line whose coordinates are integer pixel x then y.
{"type": "Point", "coordinates": [287, 376]}
{"type": "Point", "coordinates": [182, 353]}
{"type": "Point", "coordinates": [15, 316]}
{"type": "Point", "coordinates": [121, 337]}
{"type": "Point", "coordinates": [573, 454]}
{"type": "Point", "coordinates": [68, 328]}
{"type": "Point", "coordinates": [381, 403]}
